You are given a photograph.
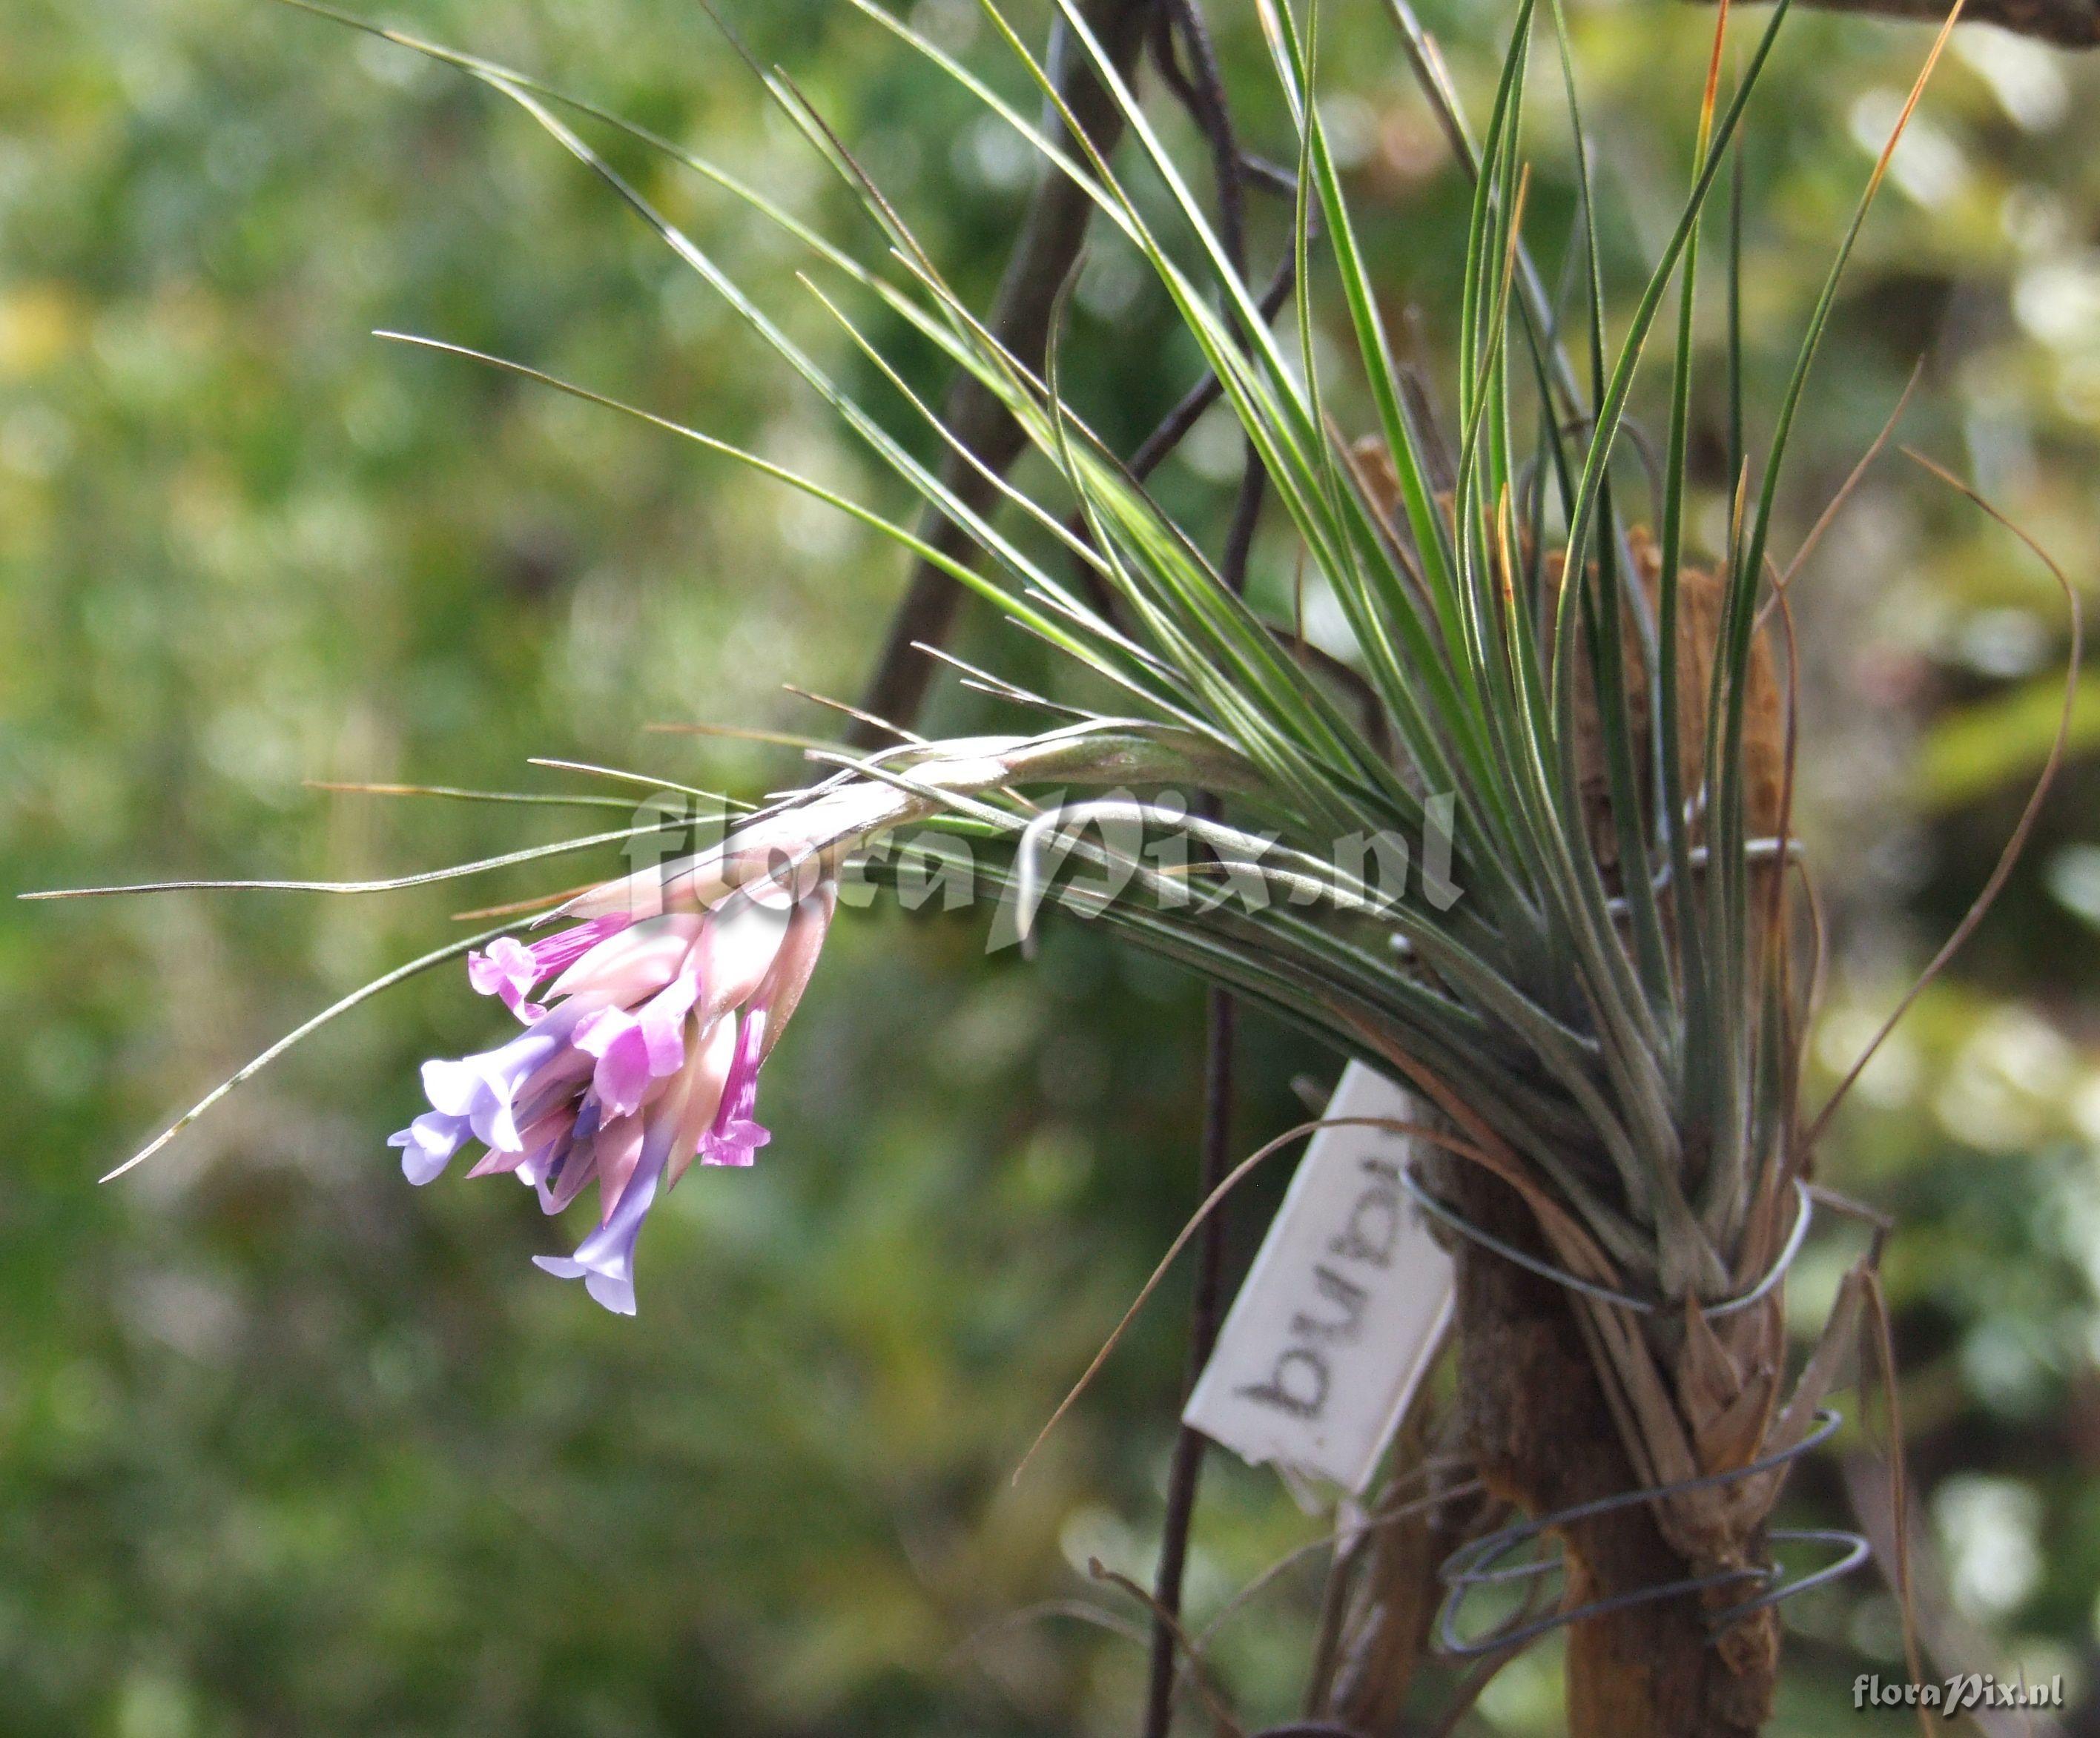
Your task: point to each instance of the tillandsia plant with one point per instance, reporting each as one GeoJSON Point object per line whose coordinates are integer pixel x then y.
{"type": "Point", "coordinates": [1598, 987]}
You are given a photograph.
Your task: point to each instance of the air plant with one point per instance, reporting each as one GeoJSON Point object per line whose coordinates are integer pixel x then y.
{"type": "Point", "coordinates": [1602, 1000]}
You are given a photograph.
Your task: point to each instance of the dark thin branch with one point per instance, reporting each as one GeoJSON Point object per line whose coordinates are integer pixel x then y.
{"type": "Point", "coordinates": [1246, 516]}
{"type": "Point", "coordinates": [1201, 89]}
{"type": "Point", "coordinates": [1469, 1687]}
{"type": "Point", "coordinates": [1037, 273]}
{"type": "Point", "coordinates": [1053, 234]}
{"type": "Point", "coordinates": [1174, 427]}
{"type": "Point", "coordinates": [1205, 1310]}
{"type": "Point", "coordinates": [1270, 177]}
{"type": "Point", "coordinates": [1221, 1714]}
{"type": "Point", "coordinates": [1327, 1635]}
{"type": "Point", "coordinates": [1202, 92]}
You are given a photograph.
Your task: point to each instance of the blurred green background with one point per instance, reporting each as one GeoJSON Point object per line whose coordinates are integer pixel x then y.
{"type": "Point", "coordinates": [289, 1448]}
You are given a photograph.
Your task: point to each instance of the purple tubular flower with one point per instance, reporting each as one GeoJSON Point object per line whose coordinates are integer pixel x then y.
{"type": "Point", "coordinates": [485, 1089]}
{"type": "Point", "coordinates": [428, 1144]}
{"type": "Point", "coordinates": [510, 967]}
{"type": "Point", "coordinates": [559, 1171]}
{"type": "Point", "coordinates": [734, 1138]}
{"type": "Point", "coordinates": [646, 1058]}
{"type": "Point", "coordinates": [604, 1261]}
{"type": "Point", "coordinates": [632, 1049]}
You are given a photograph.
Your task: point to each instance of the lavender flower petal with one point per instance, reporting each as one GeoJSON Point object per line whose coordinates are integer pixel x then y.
{"type": "Point", "coordinates": [428, 1144]}
{"type": "Point", "coordinates": [605, 1259]}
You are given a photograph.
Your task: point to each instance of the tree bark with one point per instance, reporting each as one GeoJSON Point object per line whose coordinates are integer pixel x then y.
{"type": "Point", "coordinates": [1543, 1437]}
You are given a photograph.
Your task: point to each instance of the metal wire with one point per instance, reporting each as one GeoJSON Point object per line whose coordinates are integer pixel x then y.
{"type": "Point", "coordinates": [1561, 1276]}
{"type": "Point", "coordinates": [1478, 1563]}
{"type": "Point", "coordinates": [1474, 1564]}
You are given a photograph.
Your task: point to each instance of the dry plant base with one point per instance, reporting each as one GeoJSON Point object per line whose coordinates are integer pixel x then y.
{"type": "Point", "coordinates": [1537, 1424]}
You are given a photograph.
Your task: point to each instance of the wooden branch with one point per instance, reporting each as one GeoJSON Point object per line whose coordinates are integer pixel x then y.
{"type": "Point", "coordinates": [1051, 234]}
{"type": "Point", "coordinates": [2069, 24]}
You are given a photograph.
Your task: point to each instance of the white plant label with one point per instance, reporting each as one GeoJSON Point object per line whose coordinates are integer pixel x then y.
{"type": "Point", "coordinates": [1343, 1311]}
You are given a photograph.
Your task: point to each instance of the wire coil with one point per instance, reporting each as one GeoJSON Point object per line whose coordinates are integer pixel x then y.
{"type": "Point", "coordinates": [1478, 1563]}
